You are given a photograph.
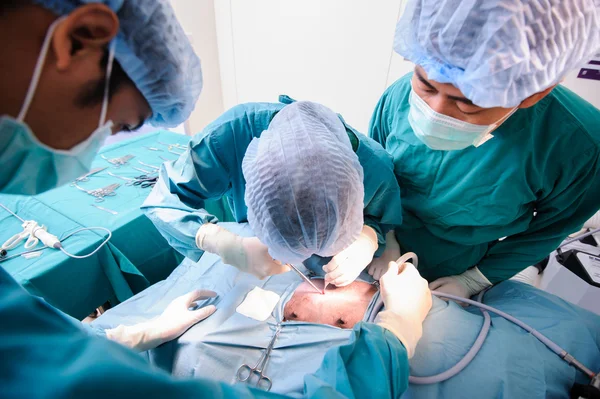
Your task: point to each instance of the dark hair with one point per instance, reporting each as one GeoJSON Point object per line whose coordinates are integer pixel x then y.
{"type": "Point", "coordinates": [93, 94]}
{"type": "Point", "coordinates": [8, 5]}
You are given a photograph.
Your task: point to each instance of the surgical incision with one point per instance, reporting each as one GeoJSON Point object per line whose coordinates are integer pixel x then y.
{"type": "Point", "coordinates": [341, 307]}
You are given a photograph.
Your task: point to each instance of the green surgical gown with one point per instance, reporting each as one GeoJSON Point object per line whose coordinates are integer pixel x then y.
{"type": "Point", "coordinates": [212, 168]}
{"type": "Point", "coordinates": [47, 354]}
{"type": "Point", "coordinates": [534, 183]}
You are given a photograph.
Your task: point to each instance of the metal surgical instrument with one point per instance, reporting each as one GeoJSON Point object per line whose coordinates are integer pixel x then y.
{"type": "Point", "coordinates": [145, 181]}
{"type": "Point", "coordinates": [100, 193]}
{"type": "Point", "coordinates": [294, 268]}
{"type": "Point", "coordinates": [105, 209]}
{"type": "Point", "coordinates": [171, 147]}
{"type": "Point", "coordinates": [143, 170]}
{"type": "Point", "coordinates": [118, 162]}
{"type": "Point", "coordinates": [245, 372]}
{"type": "Point", "coordinates": [148, 165]}
{"type": "Point", "coordinates": [86, 177]}
{"type": "Point", "coordinates": [129, 180]}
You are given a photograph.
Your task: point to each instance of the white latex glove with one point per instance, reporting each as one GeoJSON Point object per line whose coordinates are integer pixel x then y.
{"type": "Point", "coordinates": [407, 301]}
{"type": "Point", "coordinates": [464, 285]}
{"type": "Point", "coordinates": [174, 321]}
{"type": "Point", "coordinates": [247, 254]}
{"type": "Point", "coordinates": [346, 266]}
{"type": "Point", "coordinates": [380, 265]}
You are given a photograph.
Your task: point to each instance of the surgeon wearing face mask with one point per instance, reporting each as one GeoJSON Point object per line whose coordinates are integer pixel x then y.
{"type": "Point", "coordinates": [72, 72]}
{"type": "Point", "coordinates": [496, 161]}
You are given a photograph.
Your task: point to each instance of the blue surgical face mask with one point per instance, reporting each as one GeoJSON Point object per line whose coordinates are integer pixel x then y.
{"type": "Point", "coordinates": [441, 132]}
{"type": "Point", "coordinates": [31, 167]}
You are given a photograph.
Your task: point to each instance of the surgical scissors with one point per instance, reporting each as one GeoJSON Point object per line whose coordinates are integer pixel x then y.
{"type": "Point", "coordinates": [145, 181]}
{"type": "Point", "coordinates": [245, 372]}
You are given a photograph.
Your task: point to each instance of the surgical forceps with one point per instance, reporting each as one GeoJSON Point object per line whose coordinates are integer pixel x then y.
{"type": "Point", "coordinates": [100, 193]}
{"type": "Point", "coordinates": [245, 372]}
{"type": "Point", "coordinates": [86, 177]}
{"type": "Point", "coordinates": [118, 162]}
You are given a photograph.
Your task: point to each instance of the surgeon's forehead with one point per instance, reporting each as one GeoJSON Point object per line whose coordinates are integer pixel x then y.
{"type": "Point", "coordinates": [446, 88]}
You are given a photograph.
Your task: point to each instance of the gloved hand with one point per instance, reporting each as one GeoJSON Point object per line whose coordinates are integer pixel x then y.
{"type": "Point", "coordinates": [345, 267]}
{"type": "Point", "coordinates": [464, 285]}
{"type": "Point", "coordinates": [380, 265]}
{"type": "Point", "coordinates": [174, 321]}
{"type": "Point", "coordinates": [407, 301]}
{"type": "Point", "coordinates": [247, 254]}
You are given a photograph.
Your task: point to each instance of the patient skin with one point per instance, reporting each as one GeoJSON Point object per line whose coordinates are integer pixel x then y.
{"type": "Point", "coordinates": [341, 307]}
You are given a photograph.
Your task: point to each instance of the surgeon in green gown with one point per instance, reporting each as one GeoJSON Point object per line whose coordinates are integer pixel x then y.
{"type": "Point", "coordinates": [307, 183]}
{"type": "Point", "coordinates": [497, 162]}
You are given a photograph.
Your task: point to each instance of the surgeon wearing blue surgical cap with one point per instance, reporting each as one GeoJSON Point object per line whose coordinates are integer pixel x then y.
{"type": "Point", "coordinates": [306, 182]}
{"type": "Point", "coordinates": [69, 82]}
{"type": "Point", "coordinates": [71, 73]}
{"type": "Point", "coordinates": [497, 162]}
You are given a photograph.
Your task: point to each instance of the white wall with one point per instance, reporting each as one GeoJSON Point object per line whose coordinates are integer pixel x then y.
{"type": "Point", "coordinates": [586, 88]}
{"type": "Point", "coordinates": [198, 20]}
{"type": "Point", "coordinates": [336, 52]}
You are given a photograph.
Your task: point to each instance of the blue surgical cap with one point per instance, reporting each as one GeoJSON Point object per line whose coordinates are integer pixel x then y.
{"type": "Point", "coordinates": [499, 52]}
{"type": "Point", "coordinates": [304, 184]}
{"type": "Point", "coordinates": [154, 52]}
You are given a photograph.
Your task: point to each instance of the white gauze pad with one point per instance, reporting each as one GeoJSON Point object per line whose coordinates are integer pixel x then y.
{"type": "Point", "coordinates": [259, 304]}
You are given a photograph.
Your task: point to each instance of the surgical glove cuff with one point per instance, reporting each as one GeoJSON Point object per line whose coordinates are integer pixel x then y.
{"type": "Point", "coordinates": [407, 330]}
{"type": "Point", "coordinates": [217, 240]}
{"type": "Point", "coordinates": [139, 337]}
{"type": "Point", "coordinates": [474, 281]}
{"type": "Point", "coordinates": [207, 237]}
{"type": "Point", "coordinates": [369, 235]}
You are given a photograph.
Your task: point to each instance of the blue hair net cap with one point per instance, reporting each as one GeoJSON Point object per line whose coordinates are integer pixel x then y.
{"type": "Point", "coordinates": [304, 184]}
{"type": "Point", "coordinates": [154, 52]}
{"type": "Point", "coordinates": [499, 52]}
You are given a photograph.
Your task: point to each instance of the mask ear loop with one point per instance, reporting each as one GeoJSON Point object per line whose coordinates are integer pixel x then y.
{"type": "Point", "coordinates": [37, 71]}
{"type": "Point", "coordinates": [109, 67]}
{"type": "Point", "coordinates": [488, 135]}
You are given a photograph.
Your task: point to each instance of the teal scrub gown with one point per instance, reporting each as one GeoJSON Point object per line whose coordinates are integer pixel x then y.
{"type": "Point", "coordinates": [212, 168]}
{"type": "Point", "coordinates": [535, 182]}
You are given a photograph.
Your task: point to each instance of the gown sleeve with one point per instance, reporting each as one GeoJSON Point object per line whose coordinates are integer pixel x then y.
{"type": "Point", "coordinates": [176, 205]}
{"type": "Point", "coordinates": [573, 200]}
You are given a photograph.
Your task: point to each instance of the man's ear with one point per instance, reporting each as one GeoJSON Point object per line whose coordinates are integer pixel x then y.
{"type": "Point", "coordinates": [88, 27]}
{"type": "Point", "coordinates": [537, 97]}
